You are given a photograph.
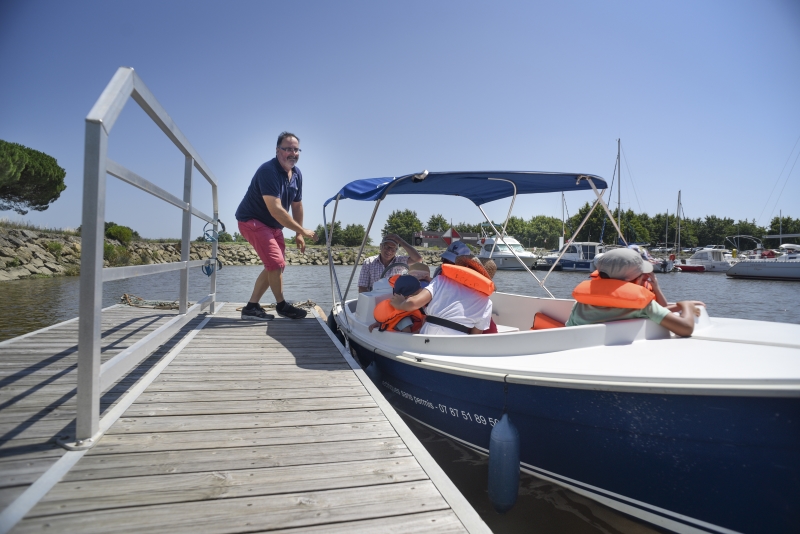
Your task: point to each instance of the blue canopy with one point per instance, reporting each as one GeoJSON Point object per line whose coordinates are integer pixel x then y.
{"type": "Point", "coordinates": [476, 186]}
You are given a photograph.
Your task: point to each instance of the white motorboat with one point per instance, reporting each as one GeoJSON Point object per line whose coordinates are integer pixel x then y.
{"type": "Point", "coordinates": [696, 434]}
{"type": "Point", "coordinates": [500, 251]}
{"type": "Point", "coordinates": [575, 256]}
{"type": "Point", "coordinates": [784, 267]}
{"type": "Point", "coordinates": [713, 260]}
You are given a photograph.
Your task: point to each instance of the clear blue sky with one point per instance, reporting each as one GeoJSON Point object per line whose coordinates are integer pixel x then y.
{"type": "Point", "coordinates": [704, 96]}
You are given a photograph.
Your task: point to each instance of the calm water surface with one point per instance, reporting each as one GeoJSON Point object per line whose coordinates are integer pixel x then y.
{"type": "Point", "coordinates": [27, 305]}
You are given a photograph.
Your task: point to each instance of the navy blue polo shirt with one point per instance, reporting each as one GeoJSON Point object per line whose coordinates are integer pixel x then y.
{"type": "Point", "coordinates": [270, 179]}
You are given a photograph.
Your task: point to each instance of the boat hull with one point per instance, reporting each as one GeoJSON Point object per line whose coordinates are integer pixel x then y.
{"type": "Point", "coordinates": [766, 270]}
{"type": "Point", "coordinates": [573, 265]}
{"type": "Point", "coordinates": [685, 462]}
{"type": "Point", "coordinates": [510, 263]}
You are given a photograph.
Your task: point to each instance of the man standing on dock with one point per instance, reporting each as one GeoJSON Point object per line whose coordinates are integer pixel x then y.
{"type": "Point", "coordinates": [262, 215]}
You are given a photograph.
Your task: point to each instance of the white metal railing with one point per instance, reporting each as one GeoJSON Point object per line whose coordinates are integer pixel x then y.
{"type": "Point", "coordinates": [94, 378]}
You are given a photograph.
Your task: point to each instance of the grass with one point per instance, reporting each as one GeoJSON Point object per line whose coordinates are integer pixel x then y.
{"type": "Point", "coordinates": [27, 225]}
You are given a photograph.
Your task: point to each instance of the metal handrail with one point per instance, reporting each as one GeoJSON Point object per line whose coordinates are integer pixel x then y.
{"type": "Point", "coordinates": [94, 378]}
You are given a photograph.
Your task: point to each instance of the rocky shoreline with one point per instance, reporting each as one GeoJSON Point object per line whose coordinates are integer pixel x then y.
{"type": "Point", "coordinates": [28, 253]}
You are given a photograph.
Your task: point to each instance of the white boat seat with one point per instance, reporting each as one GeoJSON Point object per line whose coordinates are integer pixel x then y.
{"type": "Point", "coordinates": [501, 328]}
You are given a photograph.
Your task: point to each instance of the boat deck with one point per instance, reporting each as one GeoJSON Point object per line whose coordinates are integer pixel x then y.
{"type": "Point", "coordinates": [251, 427]}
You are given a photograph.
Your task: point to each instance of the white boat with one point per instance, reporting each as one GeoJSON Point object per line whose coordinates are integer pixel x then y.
{"type": "Point", "coordinates": [575, 256]}
{"type": "Point", "coordinates": [713, 260]}
{"type": "Point", "coordinates": [696, 434]}
{"type": "Point", "coordinates": [500, 251]}
{"type": "Point", "coordinates": [784, 267]}
{"type": "Point", "coordinates": [660, 265]}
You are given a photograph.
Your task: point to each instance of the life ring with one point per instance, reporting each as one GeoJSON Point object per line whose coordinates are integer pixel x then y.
{"type": "Point", "coordinates": [672, 257]}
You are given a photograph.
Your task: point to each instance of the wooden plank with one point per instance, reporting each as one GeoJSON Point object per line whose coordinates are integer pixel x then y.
{"type": "Point", "coordinates": [441, 522]}
{"type": "Point", "coordinates": [109, 463]}
{"type": "Point", "coordinates": [273, 511]}
{"type": "Point", "coordinates": [177, 441]}
{"type": "Point", "coordinates": [237, 421]}
{"type": "Point", "coordinates": [224, 483]}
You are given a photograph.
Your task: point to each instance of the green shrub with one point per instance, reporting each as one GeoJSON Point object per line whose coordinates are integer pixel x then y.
{"type": "Point", "coordinates": [123, 234]}
{"type": "Point", "coordinates": [54, 248]}
{"type": "Point", "coordinates": [108, 251]}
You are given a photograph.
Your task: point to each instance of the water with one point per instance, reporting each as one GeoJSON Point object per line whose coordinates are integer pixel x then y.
{"type": "Point", "coordinates": [28, 305]}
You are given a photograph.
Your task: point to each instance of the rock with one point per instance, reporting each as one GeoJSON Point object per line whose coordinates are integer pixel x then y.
{"type": "Point", "coordinates": [4, 276]}
{"type": "Point", "coordinates": [30, 234]}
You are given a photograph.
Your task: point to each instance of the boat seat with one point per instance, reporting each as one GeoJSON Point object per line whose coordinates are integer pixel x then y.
{"type": "Point", "coordinates": [544, 322]}
{"type": "Point", "coordinates": [365, 309]}
{"type": "Point", "coordinates": [501, 328]}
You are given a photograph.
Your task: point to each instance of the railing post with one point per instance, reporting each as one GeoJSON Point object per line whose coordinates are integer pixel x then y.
{"type": "Point", "coordinates": [91, 292]}
{"type": "Point", "coordinates": [214, 253]}
{"type": "Point", "coordinates": [186, 238]}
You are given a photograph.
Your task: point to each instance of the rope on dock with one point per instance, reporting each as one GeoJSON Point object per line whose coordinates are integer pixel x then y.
{"type": "Point", "coordinates": [138, 302]}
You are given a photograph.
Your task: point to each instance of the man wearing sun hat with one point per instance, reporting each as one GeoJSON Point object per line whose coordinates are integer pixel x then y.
{"type": "Point", "coordinates": [373, 267]}
{"type": "Point", "coordinates": [618, 293]}
{"type": "Point", "coordinates": [454, 308]}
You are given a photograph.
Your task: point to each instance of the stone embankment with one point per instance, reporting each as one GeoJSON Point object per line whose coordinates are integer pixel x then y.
{"type": "Point", "coordinates": [26, 253]}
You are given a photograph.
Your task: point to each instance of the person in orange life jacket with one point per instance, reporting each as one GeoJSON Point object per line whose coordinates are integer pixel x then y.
{"type": "Point", "coordinates": [491, 270]}
{"type": "Point", "coordinates": [604, 299]}
{"type": "Point", "coordinates": [455, 249]}
{"type": "Point", "coordinates": [389, 318]}
{"type": "Point", "coordinates": [458, 300]}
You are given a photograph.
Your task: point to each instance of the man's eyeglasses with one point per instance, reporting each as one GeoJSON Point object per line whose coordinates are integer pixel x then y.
{"type": "Point", "coordinates": [290, 149]}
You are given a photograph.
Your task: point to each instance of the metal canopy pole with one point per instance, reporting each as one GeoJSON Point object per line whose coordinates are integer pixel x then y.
{"type": "Point", "coordinates": [91, 292]}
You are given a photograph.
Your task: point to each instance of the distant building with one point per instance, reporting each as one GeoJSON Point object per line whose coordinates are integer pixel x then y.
{"type": "Point", "coordinates": [429, 238]}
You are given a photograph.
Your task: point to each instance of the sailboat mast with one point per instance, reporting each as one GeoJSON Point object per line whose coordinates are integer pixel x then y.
{"type": "Point", "coordinates": [678, 231]}
{"type": "Point", "coordinates": [619, 186]}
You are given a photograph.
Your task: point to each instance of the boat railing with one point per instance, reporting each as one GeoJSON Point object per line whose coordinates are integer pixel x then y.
{"type": "Point", "coordinates": [93, 377]}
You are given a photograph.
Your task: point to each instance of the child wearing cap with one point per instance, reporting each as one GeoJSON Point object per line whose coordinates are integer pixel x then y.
{"type": "Point", "coordinates": [618, 293]}
{"type": "Point", "coordinates": [389, 318]}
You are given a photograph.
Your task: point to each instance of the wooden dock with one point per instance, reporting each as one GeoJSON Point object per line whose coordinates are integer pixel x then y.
{"type": "Point", "coordinates": [236, 426]}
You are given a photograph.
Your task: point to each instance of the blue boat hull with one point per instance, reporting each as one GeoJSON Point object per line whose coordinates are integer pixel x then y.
{"type": "Point", "coordinates": [572, 265]}
{"type": "Point", "coordinates": [689, 463]}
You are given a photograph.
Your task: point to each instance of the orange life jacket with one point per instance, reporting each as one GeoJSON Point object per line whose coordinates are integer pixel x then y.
{"type": "Point", "coordinates": [388, 316]}
{"type": "Point", "coordinates": [467, 277]}
{"type": "Point", "coordinates": [393, 279]}
{"type": "Point", "coordinates": [612, 293]}
{"type": "Point", "coordinates": [647, 285]}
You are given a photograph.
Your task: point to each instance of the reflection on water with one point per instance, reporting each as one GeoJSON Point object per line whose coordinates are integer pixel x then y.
{"type": "Point", "coordinates": [27, 305]}
{"type": "Point", "coordinates": [541, 507]}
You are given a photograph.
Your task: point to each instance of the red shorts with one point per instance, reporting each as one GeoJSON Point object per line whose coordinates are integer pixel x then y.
{"type": "Point", "coordinates": [267, 241]}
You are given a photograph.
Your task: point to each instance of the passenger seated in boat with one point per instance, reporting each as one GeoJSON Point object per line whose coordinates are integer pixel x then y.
{"type": "Point", "coordinates": [618, 293]}
{"type": "Point", "coordinates": [389, 318]}
{"type": "Point", "coordinates": [455, 249]}
{"type": "Point", "coordinates": [458, 300]}
{"type": "Point", "coordinates": [421, 272]}
{"type": "Point", "coordinates": [491, 269]}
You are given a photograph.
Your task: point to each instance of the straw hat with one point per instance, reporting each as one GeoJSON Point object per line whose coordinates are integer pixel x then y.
{"type": "Point", "coordinates": [420, 270]}
{"type": "Point", "coordinates": [473, 263]}
{"type": "Point", "coordinates": [490, 266]}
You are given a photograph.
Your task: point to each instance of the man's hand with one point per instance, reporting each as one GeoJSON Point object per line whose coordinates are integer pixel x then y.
{"type": "Point", "coordinates": [300, 240]}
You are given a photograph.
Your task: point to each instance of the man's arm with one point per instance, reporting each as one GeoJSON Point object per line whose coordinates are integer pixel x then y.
{"type": "Point", "coordinates": [411, 303]}
{"type": "Point", "coordinates": [660, 298]}
{"type": "Point", "coordinates": [297, 215]}
{"type": "Point", "coordinates": [283, 217]}
{"type": "Point", "coordinates": [682, 324]}
{"type": "Point", "coordinates": [413, 255]}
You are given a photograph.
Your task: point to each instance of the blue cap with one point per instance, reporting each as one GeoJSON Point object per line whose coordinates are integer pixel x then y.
{"type": "Point", "coordinates": [406, 285]}
{"type": "Point", "coordinates": [456, 248]}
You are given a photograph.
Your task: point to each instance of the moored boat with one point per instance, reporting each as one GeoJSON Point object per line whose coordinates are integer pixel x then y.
{"type": "Point", "coordinates": [575, 256]}
{"type": "Point", "coordinates": [784, 267]}
{"type": "Point", "coordinates": [692, 434]}
{"type": "Point", "coordinates": [712, 260]}
{"type": "Point", "coordinates": [499, 250]}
